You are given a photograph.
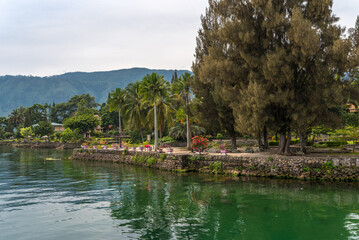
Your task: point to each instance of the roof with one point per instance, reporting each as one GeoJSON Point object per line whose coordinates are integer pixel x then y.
{"type": "Point", "coordinates": [52, 124]}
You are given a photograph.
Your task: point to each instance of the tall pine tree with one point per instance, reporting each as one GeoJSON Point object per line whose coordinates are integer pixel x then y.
{"type": "Point", "coordinates": [278, 62]}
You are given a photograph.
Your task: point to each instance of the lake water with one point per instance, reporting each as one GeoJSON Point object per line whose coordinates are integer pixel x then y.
{"type": "Point", "coordinates": [64, 199]}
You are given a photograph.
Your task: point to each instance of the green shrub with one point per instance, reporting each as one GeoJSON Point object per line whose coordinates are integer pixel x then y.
{"type": "Point", "coordinates": [125, 152]}
{"type": "Point", "coordinates": [306, 169]}
{"type": "Point", "coordinates": [273, 143]}
{"type": "Point", "coordinates": [196, 158]}
{"type": "Point", "coordinates": [332, 143]}
{"type": "Point", "coordinates": [113, 132]}
{"type": "Point", "coordinates": [163, 157]}
{"type": "Point", "coordinates": [151, 161]}
{"type": "Point", "coordinates": [96, 134]}
{"type": "Point", "coordinates": [44, 128]}
{"type": "Point", "coordinates": [213, 145]}
{"type": "Point", "coordinates": [8, 135]}
{"type": "Point", "coordinates": [245, 137]}
{"type": "Point", "coordinates": [168, 139]}
{"type": "Point", "coordinates": [276, 143]}
{"type": "Point", "coordinates": [136, 158]}
{"type": "Point", "coordinates": [320, 145]}
{"type": "Point", "coordinates": [328, 165]}
{"type": "Point", "coordinates": [25, 132]}
{"type": "Point", "coordinates": [219, 136]}
{"type": "Point", "coordinates": [271, 159]}
{"type": "Point", "coordinates": [67, 135]}
{"type": "Point", "coordinates": [57, 135]}
{"type": "Point", "coordinates": [216, 166]}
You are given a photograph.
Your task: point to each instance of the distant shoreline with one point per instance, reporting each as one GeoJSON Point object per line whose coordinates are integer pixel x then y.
{"type": "Point", "coordinates": [57, 145]}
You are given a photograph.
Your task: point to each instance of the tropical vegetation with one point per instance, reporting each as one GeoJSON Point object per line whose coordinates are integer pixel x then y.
{"type": "Point", "coordinates": [283, 71]}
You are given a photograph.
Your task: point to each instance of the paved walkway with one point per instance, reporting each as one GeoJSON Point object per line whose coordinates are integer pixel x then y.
{"type": "Point", "coordinates": [271, 152]}
{"type": "Point", "coordinates": [268, 153]}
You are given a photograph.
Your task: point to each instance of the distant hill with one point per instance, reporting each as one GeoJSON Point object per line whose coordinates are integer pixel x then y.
{"type": "Point", "coordinates": [27, 90]}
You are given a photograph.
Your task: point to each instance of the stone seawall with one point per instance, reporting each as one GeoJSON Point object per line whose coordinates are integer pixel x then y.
{"type": "Point", "coordinates": [58, 145]}
{"type": "Point", "coordinates": [324, 168]}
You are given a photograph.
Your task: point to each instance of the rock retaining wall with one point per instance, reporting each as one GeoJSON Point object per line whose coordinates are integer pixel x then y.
{"type": "Point", "coordinates": [58, 145]}
{"type": "Point", "coordinates": [325, 168]}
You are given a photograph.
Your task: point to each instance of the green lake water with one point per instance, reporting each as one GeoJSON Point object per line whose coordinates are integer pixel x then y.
{"type": "Point", "coordinates": [64, 199]}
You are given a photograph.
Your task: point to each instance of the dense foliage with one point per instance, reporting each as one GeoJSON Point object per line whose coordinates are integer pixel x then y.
{"type": "Point", "coordinates": [82, 122]}
{"type": "Point", "coordinates": [261, 68]}
{"type": "Point", "coordinates": [44, 128]}
{"type": "Point", "coordinates": [273, 65]}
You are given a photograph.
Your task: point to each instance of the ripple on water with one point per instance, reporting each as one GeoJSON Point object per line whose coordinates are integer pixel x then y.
{"type": "Point", "coordinates": [76, 200]}
{"type": "Point", "coordinates": [352, 225]}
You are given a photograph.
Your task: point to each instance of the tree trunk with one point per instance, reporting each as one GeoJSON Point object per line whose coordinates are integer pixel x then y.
{"type": "Point", "coordinates": [119, 121]}
{"type": "Point", "coordinates": [260, 143]}
{"type": "Point", "coordinates": [282, 141]}
{"type": "Point", "coordinates": [141, 134]}
{"type": "Point", "coordinates": [188, 132]}
{"type": "Point", "coordinates": [303, 142]}
{"type": "Point", "coordinates": [234, 141]}
{"type": "Point", "coordinates": [156, 127]}
{"type": "Point", "coordinates": [265, 138]}
{"type": "Point", "coordinates": [287, 145]}
{"type": "Point", "coordinates": [313, 139]}
{"type": "Point", "coordinates": [160, 137]}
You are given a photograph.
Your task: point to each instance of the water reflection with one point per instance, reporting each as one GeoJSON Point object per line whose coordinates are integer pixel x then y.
{"type": "Point", "coordinates": [171, 206]}
{"type": "Point", "coordinates": [117, 201]}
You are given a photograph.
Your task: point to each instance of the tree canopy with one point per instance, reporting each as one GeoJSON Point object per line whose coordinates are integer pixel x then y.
{"type": "Point", "coordinates": [82, 123]}
{"type": "Point", "coordinates": [275, 64]}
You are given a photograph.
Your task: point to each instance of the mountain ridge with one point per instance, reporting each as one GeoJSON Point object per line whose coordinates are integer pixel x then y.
{"type": "Point", "coordinates": [16, 90]}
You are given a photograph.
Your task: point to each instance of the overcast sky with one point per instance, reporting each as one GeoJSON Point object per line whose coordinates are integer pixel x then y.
{"type": "Point", "coordinates": [48, 37]}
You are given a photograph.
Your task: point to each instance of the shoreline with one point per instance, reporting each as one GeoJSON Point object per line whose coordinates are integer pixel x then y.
{"type": "Point", "coordinates": [330, 168]}
{"type": "Point", "coordinates": [57, 145]}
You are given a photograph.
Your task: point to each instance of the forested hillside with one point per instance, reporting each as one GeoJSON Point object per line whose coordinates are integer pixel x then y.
{"type": "Point", "coordinates": [27, 90]}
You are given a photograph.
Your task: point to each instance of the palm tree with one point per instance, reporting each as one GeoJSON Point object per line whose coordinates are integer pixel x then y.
{"type": "Point", "coordinates": [165, 111]}
{"type": "Point", "coordinates": [16, 117]}
{"type": "Point", "coordinates": [178, 131]}
{"type": "Point", "coordinates": [116, 101]}
{"type": "Point", "coordinates": [181, 87]}
{"type": "Point", "coordinates": [153, 88]}
{"type": "Point", "coordinates": [133, 106]}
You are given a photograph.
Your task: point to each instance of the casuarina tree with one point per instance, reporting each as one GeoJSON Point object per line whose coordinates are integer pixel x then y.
{"type": "Point", "coordinates": [278, 62]}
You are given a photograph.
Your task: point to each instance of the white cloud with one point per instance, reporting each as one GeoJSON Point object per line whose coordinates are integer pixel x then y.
{"type": "Point", "coordinates": [45, 37]}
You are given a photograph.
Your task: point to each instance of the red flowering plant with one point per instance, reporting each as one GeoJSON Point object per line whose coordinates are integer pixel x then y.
{"type": "Point", "coordinates": [199, 143]}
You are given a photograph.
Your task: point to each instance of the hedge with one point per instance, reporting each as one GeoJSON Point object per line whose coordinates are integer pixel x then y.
{"type": "Point", "coordinates": [276, 143]}
{"type": "Point", "coordinates": [333, 143]}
